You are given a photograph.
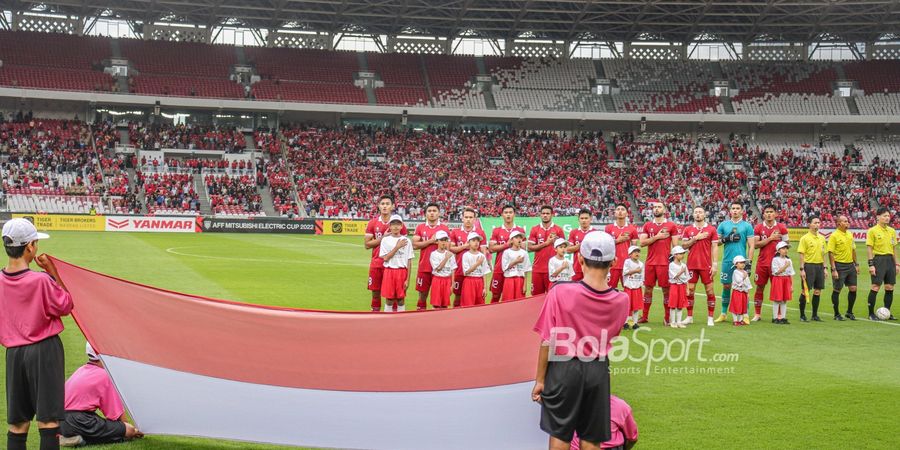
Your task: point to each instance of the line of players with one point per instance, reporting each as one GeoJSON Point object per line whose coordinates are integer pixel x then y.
{"type": "Point", "coordinates": [460, 258]}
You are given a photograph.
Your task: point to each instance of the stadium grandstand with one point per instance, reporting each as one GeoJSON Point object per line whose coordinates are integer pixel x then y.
{"type": "Point", "coordinates": [314, 109]}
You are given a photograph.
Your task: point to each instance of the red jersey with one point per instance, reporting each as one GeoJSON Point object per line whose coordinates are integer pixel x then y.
{"type": "Point", "coordinates": [575, 237]}
{"type": "Point", "coordinates": [378, 228]}
{"type": "Point", "coordinates": [700, 254]}
{"type": "Point", "coordinates": [539, 235]}
{"type": "Point", "coordinates": [500, 236]}
{"type": "Point", "coordinates": [426, 232]}
{"type": "Point", "coordinates": [767, 253]}
{"type": "Point", "coordinates": [622, 247]}
{"type": "Point", "coordinates": [459, 237]}
{"type": "Point", "coordinates": [658, 252]}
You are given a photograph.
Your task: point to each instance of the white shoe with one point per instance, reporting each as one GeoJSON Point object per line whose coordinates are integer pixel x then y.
{"type": "Point", "coordinates": [689, 320]}
{"type": "Point", "coordinates": [682, 325]}
{"type": "Point", "coordinates": [71, 441]}
{"type": "Point", "coordinates": [710, 322]}
{"type": "Point", "coordinates": [755, 318]}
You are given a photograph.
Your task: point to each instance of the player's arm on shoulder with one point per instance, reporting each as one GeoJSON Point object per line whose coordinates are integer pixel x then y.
{"type": "Point", "coordinates": [370, 242]}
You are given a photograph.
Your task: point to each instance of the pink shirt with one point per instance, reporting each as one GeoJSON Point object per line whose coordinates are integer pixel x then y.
{"type": "Point", "coordinates": [90, 389]}
{"type": "Point", "coordinates": [621, 424]}
{"type": "Point", "coordinates": [31, 304]}
{"type": "Point", "coordinates": [575, 313]}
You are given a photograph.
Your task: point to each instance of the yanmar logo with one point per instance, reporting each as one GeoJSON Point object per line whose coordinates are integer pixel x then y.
{"type": "Point", "coordinates": [118, 224]}
{"type": "Point", "coordinates": [163, 224]}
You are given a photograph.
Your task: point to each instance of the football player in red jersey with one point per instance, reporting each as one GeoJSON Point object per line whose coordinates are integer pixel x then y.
{"type": "Point", "coordinates": [540, 241]}
{"type": "Point", "coordinates": [659, 236]}
{"type": "Point", "coordinates": [576, 237]}
{"type": "Point", "coordinates": [626, 235]}
{"type": "Point", "coordinates": [702, 242]}
{"type": "Point", "coordinates": [424, 241]}
{"type": "Point", "coordinates": [377, 228]}
{"type": "Point", "coordinates": [768, 234]}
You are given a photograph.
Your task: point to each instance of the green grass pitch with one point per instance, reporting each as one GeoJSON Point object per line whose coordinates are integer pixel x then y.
{"type": "Point", "coordinates": [805, 385]}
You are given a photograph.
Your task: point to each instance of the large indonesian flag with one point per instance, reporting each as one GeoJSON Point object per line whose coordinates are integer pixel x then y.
{"type": "Point", "coordinates": [187, 365]}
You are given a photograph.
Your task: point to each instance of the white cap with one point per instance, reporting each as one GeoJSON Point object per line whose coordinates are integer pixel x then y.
{"type": "Point", "coordinates": [91, 354]}
{"type": "Point", "coordinates": [738, 259]}
{"type": "Point", "coordinates": [780, 245]}
{"type": "Point", "coordinates": [633, 248]}
{"type": "Point", "coordinates": [441, 234]}
{"type": "Point", "coordinates": [598, 246]}
{"type": "Point", "coordinates": [395, 218]}
{"type": "Point", "coordinates": [473, 235]}
{"type": "Point", "coordinates": [677, 250]}
{"type": "Point", "coordinates": [559, 241]}
{"type": "Point", "coordinates": [21, 232]}
{"type": "Point", "coordinates": [516, 233]}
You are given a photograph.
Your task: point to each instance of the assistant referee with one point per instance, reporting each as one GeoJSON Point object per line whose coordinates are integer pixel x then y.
{"type": "Point", "coordinates": [844, 269]}
{"type": "Point", "coordinates": [812, 267]}
{"type": "Point", "coordinates": [881, 240]}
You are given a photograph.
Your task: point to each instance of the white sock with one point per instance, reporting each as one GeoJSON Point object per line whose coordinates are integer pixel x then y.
{"type": "Point", "coordinates": [678, 316]}
{"type": "Point", "coordinates": [635, 316]}
{"type": "Point", "coordinates": [782, 309]}
{"type": "Point", "coordinates": [775, 310]}
{"type": "Point", "coordinates": [401, 307]}
{"type": "Point", "coordinates": [388, 307]}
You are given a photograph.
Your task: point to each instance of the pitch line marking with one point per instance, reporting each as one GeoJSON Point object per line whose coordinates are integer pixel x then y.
{"type": "Point", "coordinates": [883, 322]}
{"type": "Point", "coordinates": [173, 250]}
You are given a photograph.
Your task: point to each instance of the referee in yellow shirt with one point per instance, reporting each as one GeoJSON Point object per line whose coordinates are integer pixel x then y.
{"type": "Point", "coordinates": [881, 240]}
{"type": "Point", "coordinates": [812, 267]}
{"type": "Point", "coordinates": [844, 268]}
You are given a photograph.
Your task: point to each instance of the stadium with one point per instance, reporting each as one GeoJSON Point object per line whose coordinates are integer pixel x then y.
{"type": "Point", "coordinates": [222, 183]}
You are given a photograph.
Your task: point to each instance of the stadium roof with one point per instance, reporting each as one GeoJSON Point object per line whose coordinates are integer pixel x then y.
{"type": "Point", "coordinates": [595, 20]}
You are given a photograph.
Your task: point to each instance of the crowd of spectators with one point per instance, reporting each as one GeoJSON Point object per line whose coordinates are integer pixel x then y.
{"type": "Point", "coordinates": [157, 136]}
{"type": "Point", "coordinates": [233, 194]}
{"type": "Point", "coordinates": [169, 192]}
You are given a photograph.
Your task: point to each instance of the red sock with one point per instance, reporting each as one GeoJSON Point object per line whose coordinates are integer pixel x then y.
{"type": "Point", "coordinates": [666, 303]}
{"type": "Point", "coordinates": [456, 302]}
{"type": "Point", "coordinates": [667, 314]}
{"type": "Point", "coordinates": [495, 298]}
{"type": "Point", "coordinates": [376, 304]}
{"type": "Point", "coordinates": [394, 307]}
{"type": "Point", "coordinates": [690, 307]}
{"type": "Point", "coordinates": [421, 304]}
{"type": "Point", "coordinates": [711, 306]}
{"type": "Point", "coordinates": [648, 300]}
{"type": "Point", "coordinates": [758, 299]}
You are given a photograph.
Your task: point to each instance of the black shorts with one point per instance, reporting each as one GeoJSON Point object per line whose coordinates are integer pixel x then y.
{"type": "Point", "coordinates": [576, 398]}
{"type": "Point", "coordinates": [885, 270]}
{"type": "Point", "coordinates": [815, 275]}
{"type": "Point", "coordinates": [93, 428]}
{"type": "Point", "coordinates": [846, 275]}
{"type": "Point", "coordinates": [35, 382]}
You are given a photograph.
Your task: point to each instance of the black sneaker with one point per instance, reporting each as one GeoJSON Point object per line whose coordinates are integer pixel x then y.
{"type": "Point", "coordinates": [804, 319]}
{"type": "Point", "coordinates": [626, 327]}
{"type": "Point", "coordinates": [785, 321]}
{"type": "Point", "coordinates": [850, 316]}
{"type": "Point", "coordinates": [635, 327]}
{"type": "Point", "coordinates": [892, 317]}
{"type": "Point", "coordinates": [776, 320]}
{"type": "Point", "coordinates": [873, 318]}
{"type": "Point", "coordinates": [838, 317]}
{"type": "Point", "coordinates": [816, 319]}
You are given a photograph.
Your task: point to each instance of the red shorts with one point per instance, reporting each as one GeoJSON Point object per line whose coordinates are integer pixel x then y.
{"type": "Point", "coordinates": [440, 291]}
{"type": "Point", "coordinates": [513, 288]}
{"type": "Point", "coordinates": [457, 282]}
{"type": "Point", "coordinates": [615, 276]}
{"type": "Point", "coordinates": [423, 281]}
{"type": "Point", "coordinates": [738, 303]}
{"type": "Point", "coordinates": [703, 275]}
{"type": "Point", "coordinates": [678, 296]}
{"type": "Point", "coordinates": [472, 291]}
{"type": "Point", "coordinates": [656, 274]}
{"type": "Point", "coordinates": [782, 289]}
{"type": "Point", "coordinates": [578, 276]}
{"type": "Point", "coordinates": [540, 283]}
{"type": "Point", "coordinates": [375, 276]}
{"type": "Point", "coordinates": [763, 273]}
{"type": "Point", "coordinates": [392, 285]}
{"type": "Point", "coordinates": [497, 283]}
{"type": "Point", "coordinates": [637, 298]}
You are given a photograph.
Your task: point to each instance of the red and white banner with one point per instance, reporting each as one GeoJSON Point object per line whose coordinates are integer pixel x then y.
{"type": "Point", "coordinates": [187, 365]}
{"type": "Point", "coordinates": [186, 224]}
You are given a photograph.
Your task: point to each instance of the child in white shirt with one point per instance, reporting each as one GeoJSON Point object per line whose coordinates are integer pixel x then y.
{"type": "Point", "coordinates": [678, 278]}
{"type": "Point", "coordinates": [443, 264]}
{"type": "Point", "coordinates": [475, 266]}
{"type": "Point", "coordinates": [560, 268]}
{"type": "Point", "coordinates": [633, 280]}
{"type": "Point", "coordinates": [782, 283]}
{"type": "Point", "coordinates": [740, 288]}
{"type": "Point", "coordinates": [396, 250]}
{"type": "Point", "coordinates": [515, 265]}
